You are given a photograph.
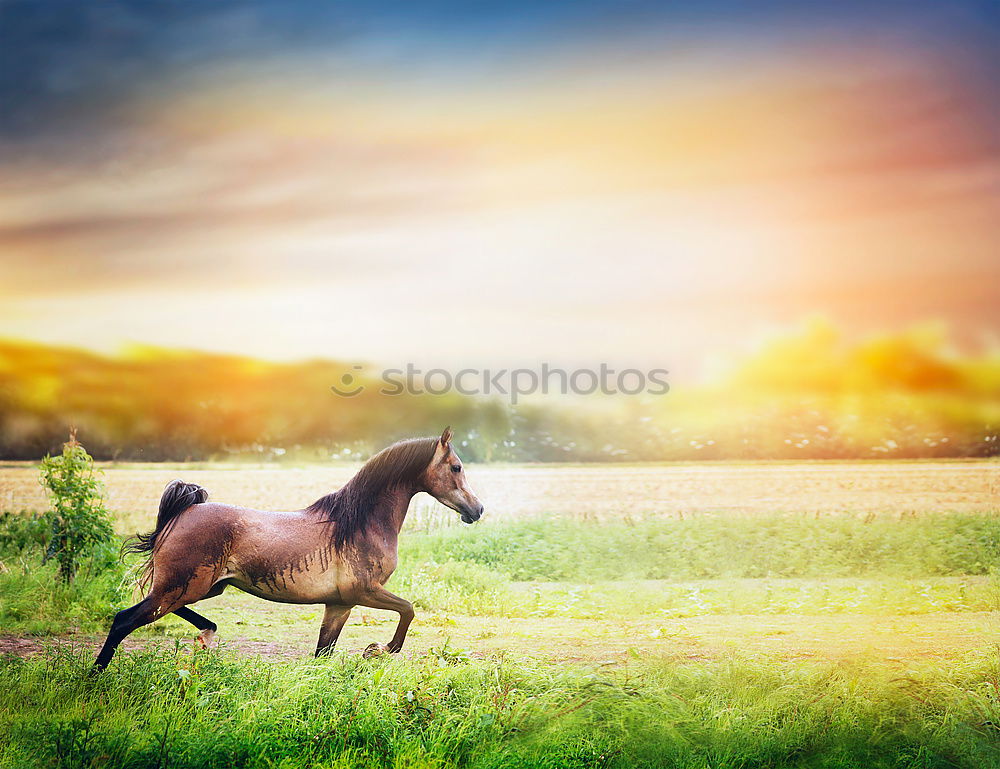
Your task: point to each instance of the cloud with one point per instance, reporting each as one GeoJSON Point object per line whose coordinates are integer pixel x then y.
{"type": "Point", "coordinates": [320, 200]}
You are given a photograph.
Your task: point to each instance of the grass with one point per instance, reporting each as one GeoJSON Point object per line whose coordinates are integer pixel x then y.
{"type": "Point", "coordinates": [721, 547]}
{"type": "Point", "coordinates": [751, 596]}
{"type": "Point", "coordinates": [556, 568]}
{"type": "Point", "coordinates": [703, 640]}
{"type": "Point", "coordinates": [34, 601]}
{"type": "Point", "coordinates": [213, 709]}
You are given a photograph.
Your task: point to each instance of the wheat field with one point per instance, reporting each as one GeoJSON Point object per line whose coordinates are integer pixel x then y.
{"type": "Point", "coordinates": [589, 492]}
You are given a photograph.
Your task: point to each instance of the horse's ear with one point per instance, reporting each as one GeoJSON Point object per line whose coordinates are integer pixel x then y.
{"type": "Point", "coordinates": [446, 437]}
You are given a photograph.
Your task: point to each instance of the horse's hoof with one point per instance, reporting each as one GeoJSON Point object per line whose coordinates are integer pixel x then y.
{"type": "Point", "coordinates": [207, 639]}
{"type": "Point", "coordinates": [374, 650]}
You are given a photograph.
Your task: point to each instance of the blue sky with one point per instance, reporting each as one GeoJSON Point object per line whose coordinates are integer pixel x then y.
{"type": "Point", "coordinates": [62, 58]}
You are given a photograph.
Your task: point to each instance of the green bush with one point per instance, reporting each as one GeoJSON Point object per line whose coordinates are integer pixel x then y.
{"type": "Point", "coordinates": [79, 521]}
{"type": "Point", "coordinates": [60, 570]}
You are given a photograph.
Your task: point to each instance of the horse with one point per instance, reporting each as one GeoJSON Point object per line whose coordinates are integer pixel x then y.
{"type": "Point", "coordinates": [339, 551]}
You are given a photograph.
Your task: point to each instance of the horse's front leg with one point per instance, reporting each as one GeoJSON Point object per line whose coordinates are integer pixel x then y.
{"type": "Point", "coordinates": [377, 597]}
{"type": "Point", "coordinates": [334, 619]}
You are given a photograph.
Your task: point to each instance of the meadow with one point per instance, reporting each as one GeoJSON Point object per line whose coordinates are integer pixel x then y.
{"type": "Point", "coordinates": [727, 615]}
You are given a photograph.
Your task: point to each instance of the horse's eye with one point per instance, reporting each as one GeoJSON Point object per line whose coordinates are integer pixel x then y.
{"type": "Point", "coordinates": [456, 468]}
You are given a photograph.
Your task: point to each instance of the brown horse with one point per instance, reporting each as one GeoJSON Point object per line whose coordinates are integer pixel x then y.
{"type": "Point", "coordinates": [339, 551]}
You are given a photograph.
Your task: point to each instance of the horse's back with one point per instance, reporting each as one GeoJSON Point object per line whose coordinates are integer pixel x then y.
{"type": "Point", "coordinates": [284, 556]}
{"type": "Point", "coordinates": [220, 527]}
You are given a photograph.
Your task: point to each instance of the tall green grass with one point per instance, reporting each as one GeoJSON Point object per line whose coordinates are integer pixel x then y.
{"type": "Point", "coordinates": [634, 598]}
{"type": "Point", "coordinates": [34, 600]}
{"type": "Point", "coordinates": [216, 709]}
{"type": "Point", "coordinates": [34, 597]}
{"type": "Point", "coordinates": [705, 565]}
{"type": "Point", "coordinates": [723, 547]}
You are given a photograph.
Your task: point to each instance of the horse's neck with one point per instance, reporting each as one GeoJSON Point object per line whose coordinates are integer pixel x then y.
{"type": "Point", "coordinates": [392, 506]}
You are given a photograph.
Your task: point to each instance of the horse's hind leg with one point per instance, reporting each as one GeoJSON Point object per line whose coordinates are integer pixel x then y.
{"type": "Point", "coordinates": [169, 594]}
{"type": "Point", "coordinates": [204, 624]}
{"type": "Point", "coordinates": [126, 621]}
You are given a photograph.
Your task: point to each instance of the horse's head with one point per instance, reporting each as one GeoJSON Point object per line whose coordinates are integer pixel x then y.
{"type": "Point", "coordinates": [444, 479]}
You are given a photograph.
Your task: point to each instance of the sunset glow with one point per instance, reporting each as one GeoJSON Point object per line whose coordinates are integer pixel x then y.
{"type": "Point", "coordinates": [668, 191]}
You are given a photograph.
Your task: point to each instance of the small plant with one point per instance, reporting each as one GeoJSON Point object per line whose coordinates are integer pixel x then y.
{"type": "Point", "coordinates": [447, 655]}
{"type": "Point", "coordinates": [79, 521]}
{"type": "Point", "coordinates": [22, 531]}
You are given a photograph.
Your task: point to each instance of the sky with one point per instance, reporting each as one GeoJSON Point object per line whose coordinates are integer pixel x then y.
{"type": "Point", "coordinates": [495, 184]}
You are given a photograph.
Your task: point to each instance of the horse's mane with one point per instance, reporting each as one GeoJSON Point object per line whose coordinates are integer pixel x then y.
{"type": "Point", "coordinates": [349, 507]}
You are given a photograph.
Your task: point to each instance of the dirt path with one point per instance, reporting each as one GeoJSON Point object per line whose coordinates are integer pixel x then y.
{"type": "Point", "coordinates": [894, 640]}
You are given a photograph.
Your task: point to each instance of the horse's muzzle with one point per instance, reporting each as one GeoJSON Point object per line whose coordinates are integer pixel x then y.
{"type": "Point", "coordinates": [471, 516]}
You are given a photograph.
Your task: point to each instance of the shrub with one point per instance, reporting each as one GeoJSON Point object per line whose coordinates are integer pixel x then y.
{"type": "Point", "coordinates": [80, 524]}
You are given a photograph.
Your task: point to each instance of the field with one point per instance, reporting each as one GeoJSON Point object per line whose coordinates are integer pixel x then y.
{"type": "Point", "coordinates": [727, 615]}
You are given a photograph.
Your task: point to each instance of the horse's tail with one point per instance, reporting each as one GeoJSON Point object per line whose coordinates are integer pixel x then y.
{"type": "Point", "coordinates": [177, 497]}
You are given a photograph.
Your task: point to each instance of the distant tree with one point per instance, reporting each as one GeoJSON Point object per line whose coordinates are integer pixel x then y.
{"type": "Point", "coordinates": [79, 520]}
